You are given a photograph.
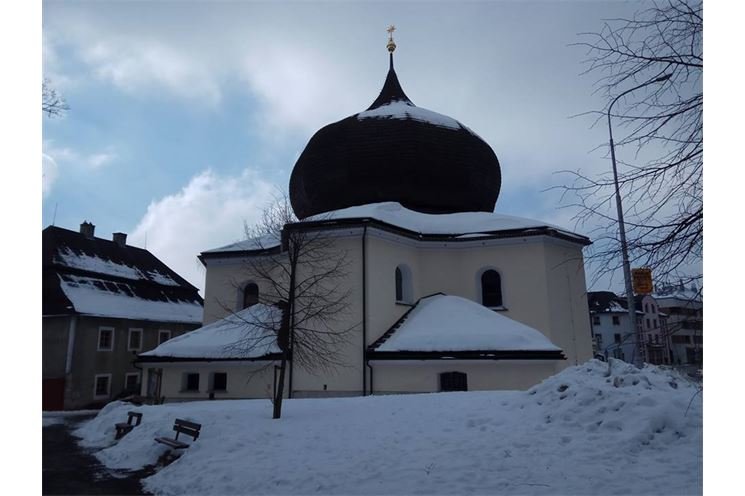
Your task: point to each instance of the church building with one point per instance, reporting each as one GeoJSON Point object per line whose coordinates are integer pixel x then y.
{"type": "Point", "coordinates": [442, 293]}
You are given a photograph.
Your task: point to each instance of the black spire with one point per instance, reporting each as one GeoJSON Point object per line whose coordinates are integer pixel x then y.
{"type": "Point", "coordinates": [392, 91]}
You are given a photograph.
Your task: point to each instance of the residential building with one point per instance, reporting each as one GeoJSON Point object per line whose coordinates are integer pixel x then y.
{"type": "Point", "coordinates": [104, 301]}
{"type": "Point", "coordinates": [684, 308]}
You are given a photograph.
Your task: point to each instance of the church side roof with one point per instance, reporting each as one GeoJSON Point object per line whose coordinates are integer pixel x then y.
{"type": "Point", "coordinates": [245, 335]}
{"type": "Point", "coordinates": [444, 326]}
{"type": "Point", "coordinates": [94, 276]}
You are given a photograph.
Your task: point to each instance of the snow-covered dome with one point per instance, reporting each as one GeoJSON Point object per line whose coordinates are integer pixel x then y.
{"type": "Point", "coordinates": [395, 152]}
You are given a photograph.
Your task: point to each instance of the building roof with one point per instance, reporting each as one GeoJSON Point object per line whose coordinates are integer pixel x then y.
{"type": "Point", "coordinates": [244, 335]}
{"type": "Point", "coordinates": [443, 326]}
{"type": "Point", "coordinates": [395, 151]}
{"type": "Point", "coordinates": [609, 302]}
{"type": "Point", "coordinates": [95, 276]}
{"type": "Point", "coordinates": [392, 216]}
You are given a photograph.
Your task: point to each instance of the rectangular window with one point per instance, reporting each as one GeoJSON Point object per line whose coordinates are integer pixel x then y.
{"type": "Point", "coordinates": [105, 338]}
{"type": "Point", "coordinates": [453, 381]}
{"type": "Point", "coordinates": [163, 336]}
{"type": "Point", "coordinates": [596, 320]}
{"type": "Point", "coordinates": [616, 320]}
{"type": "Point", "coordinates": [219, 381]}
{"type": "Point", "coordinates": [102, 386]}
{"type": "Point", "coordinates": [655, 323]}
{"type": "Point", "coordinates": [680, 339]}
{"type": "Point", "coordinates": [132, 382]}
{"type": "Point", "coordinates": [191, 381]}
{"type": "Point", "coordinates": [134, 340]}
{"type": "Point", "coordinates": [646, 308]}
{"type": "Point", "coordinates": [648, 324]}
{"type": "Point", "coordinates": [617, 338]}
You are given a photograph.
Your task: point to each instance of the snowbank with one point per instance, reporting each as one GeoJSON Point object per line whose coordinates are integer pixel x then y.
{"type": "Point", "coordinates": [579, 432]}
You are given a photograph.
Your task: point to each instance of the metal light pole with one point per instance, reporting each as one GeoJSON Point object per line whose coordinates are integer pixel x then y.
{"type": "Point", "coordinates": [622, 228]}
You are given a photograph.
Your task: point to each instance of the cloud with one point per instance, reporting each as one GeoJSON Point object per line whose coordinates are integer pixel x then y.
{"type": "Point", "coordinates": [55, 159]}
{"type": "Point", "coordinates": [135, 65]}
{"type": "Point", "coordinates": [49, 173]}
{"type": "Point", "coordinates": [207, 213]}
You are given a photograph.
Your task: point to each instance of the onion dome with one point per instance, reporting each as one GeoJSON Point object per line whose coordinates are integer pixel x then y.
{"type": "Point", "coordinates": [395, 152]}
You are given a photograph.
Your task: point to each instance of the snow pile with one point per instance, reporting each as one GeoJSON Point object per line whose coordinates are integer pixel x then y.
{"type": "Point", "coordinates": [99, 297]}
{"type": "Point", "coordinates": [460, 223]}
{"type": "Point", "coordinates": [578, 432]}
{"type": "Point", "coordinates": [451, 323]}
{"type": "Point", "coordinates": [245, 334]}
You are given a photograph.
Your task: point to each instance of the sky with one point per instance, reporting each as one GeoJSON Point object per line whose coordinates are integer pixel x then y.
{"type": "Point", "coordinates": [187, 117]}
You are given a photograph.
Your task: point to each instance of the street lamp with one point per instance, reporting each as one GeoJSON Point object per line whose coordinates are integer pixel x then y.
{"type": "Point", "coordinates": [622, 229]}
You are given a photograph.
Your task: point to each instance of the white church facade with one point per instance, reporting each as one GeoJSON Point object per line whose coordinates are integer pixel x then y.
{"type": "Point", "coordinates": [442, 293]}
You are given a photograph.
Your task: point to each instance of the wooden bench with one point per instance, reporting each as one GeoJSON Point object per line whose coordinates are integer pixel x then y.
{"type": "Point", "coordinates": [123, 428]}
{"type": "Point", "coordinates": [181, 427]}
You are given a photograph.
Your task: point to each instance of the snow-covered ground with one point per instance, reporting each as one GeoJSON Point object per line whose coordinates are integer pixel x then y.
{"type": "Point", "coordinates": [579, 432]}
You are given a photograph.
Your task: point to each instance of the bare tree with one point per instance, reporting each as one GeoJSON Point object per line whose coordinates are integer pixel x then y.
{"type": "Point", "coordinates": [302, 272]}
{"type": "Point", "coordinates": [52, 102]}
{"type": "Point", "coordinates": [658, 54]}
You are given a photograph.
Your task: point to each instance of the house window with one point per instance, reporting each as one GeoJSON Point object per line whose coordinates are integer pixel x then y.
{"type": "Point", "coordinates": [654, 309]}
{"type": "Point", "coordinates": [191, 381]}
{"type": "Point", "coordinates": [656, 339]}
{"type": "Point", "coordinates": [250, 295]}
{"type": "Point", "coordinates": [404, 290]}
{"type": "Point", "coordinates": [646, 308]}
{"type": "Point", "coordinates": [596, 320]}
{"type": "Point", "coordinates": [102, 386]}
{"type": "Point", "coordinates": [132, 382]}
{"type": "Point", "coordinates": [453, 381]}
{"type": "Point", "coordinates": [616, 320]}
{"type": "Point", "coordinates": [163, 336]}
{"type": "Point", "coordinates": [134, 340]}
{"type": "Point", "coordinates": [655, 323]}
{"type": "Point", "coordinates": [219, 381]}
{"type": "Point", "coordinates": [105, 338]}
{"type": "Point", "coordinates": [648, 324]}
{"type": "Point", "coordinates": [491, 289]}
{"type": "Point", "coordinates": [617, 338]}
{"type": "Point", "coordinates": [599, 340]}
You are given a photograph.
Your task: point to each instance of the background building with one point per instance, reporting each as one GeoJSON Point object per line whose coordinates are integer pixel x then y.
{"type": "Point", "coordinates": [685, 322]}
{"type": "Point", "coordinates": [102, 303]}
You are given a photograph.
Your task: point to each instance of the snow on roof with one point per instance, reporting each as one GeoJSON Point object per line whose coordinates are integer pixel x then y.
{"type": "Point", "coordinates": [245, 334]}
{"type": "Point", "coordinates": [460, 223]}
{"type": "Point", "coordinates": [93, 263]}
{"type": "Point", "coordinates": [259, 243]}
{"type": "Point", "coordinates": [404, 110]}
{"type": "Point", "coordinates": [451, 323]}
{"type": "Point", "coordinates": [94, 296]}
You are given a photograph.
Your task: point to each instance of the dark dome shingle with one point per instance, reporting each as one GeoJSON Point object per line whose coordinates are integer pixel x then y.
{"type": "Point", "coordinates": [395, 151]}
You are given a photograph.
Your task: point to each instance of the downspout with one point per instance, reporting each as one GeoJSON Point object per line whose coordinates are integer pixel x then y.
{"type": "Point", "coordinates": [70, 344]}
{"type": "Point", "coordinates": [371, 376]}
{"type": "Point", "coordinates": [364, 312]}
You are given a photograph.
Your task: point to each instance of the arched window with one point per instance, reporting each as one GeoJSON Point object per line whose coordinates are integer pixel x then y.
{"type": "Point", "coordinates": [491, 289]}
{"type": "Point", "coordinates": [250, 295]}
{"type": "Point", "coordinates": [404, 291]}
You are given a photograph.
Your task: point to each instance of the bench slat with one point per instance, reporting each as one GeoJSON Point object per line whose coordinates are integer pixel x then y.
{"type": "Point", "coordinates": [190, 425]}
{"type": "Point", "coordinates": [171, 442]}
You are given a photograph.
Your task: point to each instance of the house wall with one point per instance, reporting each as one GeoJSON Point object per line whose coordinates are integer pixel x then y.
{"type": "Point", "coordinates": [422, 376]}
{"type": "Point", "coordinates": [54, 336]}
{"type": "Point", "coordinates": [254, 380]}
{"type": "Point", "coordinates": [87, 361]}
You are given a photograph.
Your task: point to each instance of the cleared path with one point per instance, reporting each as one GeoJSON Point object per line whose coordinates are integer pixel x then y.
{"type": "Point", "coordinates": [69, 469]}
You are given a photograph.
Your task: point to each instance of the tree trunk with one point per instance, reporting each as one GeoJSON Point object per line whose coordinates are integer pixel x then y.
{"type": "Point", "coordinates": [280, 388]}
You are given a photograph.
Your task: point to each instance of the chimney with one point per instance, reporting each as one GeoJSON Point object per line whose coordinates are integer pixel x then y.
{"type": "Point", "coordinates": [120, 239]}
{"type": "Point", "coordinates": [87, 229]}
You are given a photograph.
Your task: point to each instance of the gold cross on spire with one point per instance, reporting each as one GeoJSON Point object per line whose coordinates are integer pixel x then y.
{"type": "Point", "coordinates": [391, 45]}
